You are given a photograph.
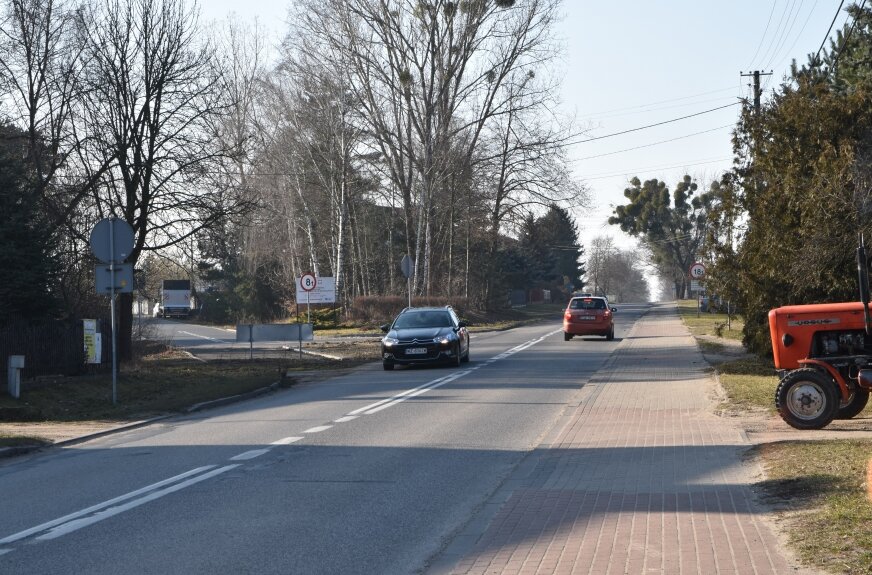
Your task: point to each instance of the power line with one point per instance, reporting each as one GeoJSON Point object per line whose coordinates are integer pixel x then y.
{"type": "Point", "coordinates": [654, 125]}
{"type": "Point", "coordinates": [817, 56]}
{"type": "Point", "coordinates": [845, 39]}
{"type": "Point", "coordinates": [604, 116]}
{"type": "Point", "coordinates": [796, 39]}
{"type": "Point", "coordinates": [654, 144]}
{"type": "Point", "coordinates": [639, 170]}
{"type": "Point", "coordinates": [597, 114]}
{"type": "Point", "coordinates": [762, 38]}
{"type": "Point", "coordinates": [782, 39]}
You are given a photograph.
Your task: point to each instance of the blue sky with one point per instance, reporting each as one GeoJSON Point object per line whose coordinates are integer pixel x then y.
{"type": "Point", "coordinates": [633, 63]}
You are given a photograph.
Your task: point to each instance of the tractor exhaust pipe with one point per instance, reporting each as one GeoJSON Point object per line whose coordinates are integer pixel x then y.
{"type": "Point", "coordinates": [863, 273]}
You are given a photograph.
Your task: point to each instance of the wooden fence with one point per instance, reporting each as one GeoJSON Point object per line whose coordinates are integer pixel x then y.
{"type": "Point", "coordinates": [48, 347]}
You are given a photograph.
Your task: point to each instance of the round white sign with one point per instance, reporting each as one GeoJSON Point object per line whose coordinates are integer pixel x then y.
{"type": "Point", "coordinates": [308, 282]}
{"type": "Point", "coordinates": [697, 271]}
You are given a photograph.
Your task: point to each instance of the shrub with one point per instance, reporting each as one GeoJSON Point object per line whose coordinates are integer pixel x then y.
{"type": "Point", "coordinates": [374, 310]}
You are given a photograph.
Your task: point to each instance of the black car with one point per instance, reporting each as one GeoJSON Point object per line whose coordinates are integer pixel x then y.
{"type": "Point", "coordinates": [422, 335]}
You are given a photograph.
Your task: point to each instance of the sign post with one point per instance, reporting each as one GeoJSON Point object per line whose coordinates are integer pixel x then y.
{"type": "Point", "coordinates": [407, 266]}
{"type": "Point", "coordinates": [697, 273]}
{"type": "Point", "coordinates": [308, 282]}
{"type": "Point", "coordinates": [111, 243]}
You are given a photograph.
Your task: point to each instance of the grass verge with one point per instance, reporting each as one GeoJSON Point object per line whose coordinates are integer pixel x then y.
{"type": "Point", "coordinates": [821, 485]}
{"type": "Point", "coordinates": [704, 323]}
{"type": "Point", "coordinates": [151, 386]}
{"type": "Point", "coordinates": [749, 384]}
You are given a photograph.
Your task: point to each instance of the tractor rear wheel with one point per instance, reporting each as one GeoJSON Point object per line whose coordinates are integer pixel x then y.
{"type": "Point", "coordinates": [855, 403]}
{"type": "Point", "coordinates": [807, 399]}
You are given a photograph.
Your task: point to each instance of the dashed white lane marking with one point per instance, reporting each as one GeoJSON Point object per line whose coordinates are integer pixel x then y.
{"type": "Point", "coordinates": [286, 441]}
{"type": "Point", "coordinates": [99, 506]}
{"type": "Point", "coordinates": [99, 512]}
{"type": "Point", "coordinates": [77, 524]}
{"type": "Point", "coordinates": [245, 456]}
{"type": "Point", "coordinates": [403, 396]}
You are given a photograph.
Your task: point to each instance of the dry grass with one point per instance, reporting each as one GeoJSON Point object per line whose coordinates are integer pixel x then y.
{"type": "Point", "coordinates": [704, 323]}
{"type": "Point", "coordinates": [821, 488]}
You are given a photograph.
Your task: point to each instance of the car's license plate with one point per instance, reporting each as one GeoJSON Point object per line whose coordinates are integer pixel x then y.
{"type": "Point", "coordinates": [587, 317]}
{"type": "Point", "coordinates": [416, 350]}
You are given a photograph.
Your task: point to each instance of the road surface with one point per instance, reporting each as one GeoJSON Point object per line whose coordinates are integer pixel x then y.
{"type": "Point", "coordinates": [372, 472]}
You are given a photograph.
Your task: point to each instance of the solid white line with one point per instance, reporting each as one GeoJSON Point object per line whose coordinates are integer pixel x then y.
{"type": "Point", "coordinates": [77, 524]}
{"type": "Point", "coordinates": [249, 454]}
{"type": "Point", "coordinates": [203, 336]}
{"type": "Point", "coordinates": [403, 396]}
{"type": "Point", "coordinates": [286, 441]}
{"type": "Point", "coordinates": [345, 419]}
{"type": "Point", "coordinates": [449, 379]}
{"type": "Point", "coordinates": [318, 429]}
{"type": "Point", "coordinates": [132, 494]}
{"type": "Point", "coordinates": [389, 399]}
{"type": "Point", "coordinates": [5, 551]}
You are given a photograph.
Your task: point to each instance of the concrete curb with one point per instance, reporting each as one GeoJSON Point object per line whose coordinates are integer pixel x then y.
{"type": "Point", "coordinates": [233, 398]}
{"type": "Point", "coordinates": [25, 449]}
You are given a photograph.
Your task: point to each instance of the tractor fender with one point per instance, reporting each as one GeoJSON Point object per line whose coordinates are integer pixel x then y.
{"type": "Point", "coordinates": [834, 373]}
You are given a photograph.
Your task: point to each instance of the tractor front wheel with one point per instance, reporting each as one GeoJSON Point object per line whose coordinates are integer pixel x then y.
{"type": "Point", "coordinates": [855, 403]}
{"type": "Point", "coordinates": [807, 399]}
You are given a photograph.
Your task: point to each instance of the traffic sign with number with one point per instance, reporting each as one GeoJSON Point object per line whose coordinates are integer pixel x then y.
{"type": "Point", "coordinates": [697, 271]}
{"type": "Point", "coordinates": [308, 282]}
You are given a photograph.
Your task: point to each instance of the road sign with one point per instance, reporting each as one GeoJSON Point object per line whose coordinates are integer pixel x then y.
{"type": "Point", "coordinates": [407, 265]}
{"type": "Point", "coordinates": [112, 240]}
{"type": "Point", "coordinates": [323, 291]}
{"type": "Point", "coordinates": [697, 271]}
{"type": "Point", "coordinates": [122, 278]}
{"type": "Point", "coordinates": [308, 282]}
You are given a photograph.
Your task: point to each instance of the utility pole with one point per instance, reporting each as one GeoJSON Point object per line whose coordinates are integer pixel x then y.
{"type": "Point", "coordinates": [756, 74]}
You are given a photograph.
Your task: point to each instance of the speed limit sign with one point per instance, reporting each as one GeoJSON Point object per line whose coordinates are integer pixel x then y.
{"type": "Point", "coordinates": [697, 271]}
{"type": "Point", "coordinates": [308, 282]}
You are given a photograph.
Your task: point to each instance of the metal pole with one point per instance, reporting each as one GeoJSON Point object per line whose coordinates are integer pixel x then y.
{"type": "Point", "coordinates": [112, 310]}
{"type": "Point", "coordinates": [409, 289]}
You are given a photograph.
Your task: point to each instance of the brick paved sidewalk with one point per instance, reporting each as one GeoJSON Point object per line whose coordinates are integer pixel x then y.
{"type": "Point", "coordinates": [639, 477]}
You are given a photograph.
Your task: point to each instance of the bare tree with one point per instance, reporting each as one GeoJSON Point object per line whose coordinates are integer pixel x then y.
{"type": "Point", "coordinates": [41, 73]}
{"type": "Point", "coordinates": [153, 96]}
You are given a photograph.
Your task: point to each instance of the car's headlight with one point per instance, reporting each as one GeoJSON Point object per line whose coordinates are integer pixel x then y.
{"type": "Point", "coordinates": [445, 339]}
{"type": "Point", "coordinates": [389, 341]}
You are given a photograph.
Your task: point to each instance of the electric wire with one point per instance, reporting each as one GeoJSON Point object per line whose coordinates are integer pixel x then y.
{"type": "Point", "coordinates": [649, 168]}
{"type": "Point", "coordinates": [670, 100]}
{"type": "Point", "coordinates": [817, 57]}
{"type": "Point", "coordinates": [657, 109]}
{"type": "Point", "coordinates": [845, 39]}
{"type": "Point", "coordinates": [786, 34]}
{"type": "Point", "coordinates": [654, 143]}
{"type": "Point", "coordinates": [763, 38]}
{"type": "Point", "coordinates": [653, 125]}
{"type": "Point", "coordinates": [777, 32]}
{"type": "Point", "coordinates": [798, 36]}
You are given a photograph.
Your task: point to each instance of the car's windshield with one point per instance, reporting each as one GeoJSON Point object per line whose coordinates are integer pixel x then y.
{"type": "Point", "coordinates": [423, 319]}
{"type": "Point", "coordinates": [587, 304]}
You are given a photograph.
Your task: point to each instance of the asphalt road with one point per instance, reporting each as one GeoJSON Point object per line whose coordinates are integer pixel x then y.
{"type": "Point", "coordinates": [372, 472]}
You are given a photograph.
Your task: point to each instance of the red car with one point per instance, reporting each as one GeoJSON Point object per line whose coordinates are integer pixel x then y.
{"type": "Point", "coordinates": [589, 316]}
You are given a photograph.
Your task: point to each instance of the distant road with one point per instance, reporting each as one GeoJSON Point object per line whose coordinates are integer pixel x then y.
{"type": "Point", "coordinates": [371, 472]}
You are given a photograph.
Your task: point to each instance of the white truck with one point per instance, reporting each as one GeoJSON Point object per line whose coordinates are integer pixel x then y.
{"type": "Point", "coordinates": [176, 300]}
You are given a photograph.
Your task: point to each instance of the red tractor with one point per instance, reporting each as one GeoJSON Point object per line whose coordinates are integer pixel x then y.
{"type": "Point", "coordinates": [823, 354]}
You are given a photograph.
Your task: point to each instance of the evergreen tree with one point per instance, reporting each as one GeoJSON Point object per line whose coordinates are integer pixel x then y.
{"type": "Point", "coordinates": [26, 247]}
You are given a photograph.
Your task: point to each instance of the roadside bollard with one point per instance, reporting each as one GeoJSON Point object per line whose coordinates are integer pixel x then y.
{"type": "Point", "coordinates": [16, 364]}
